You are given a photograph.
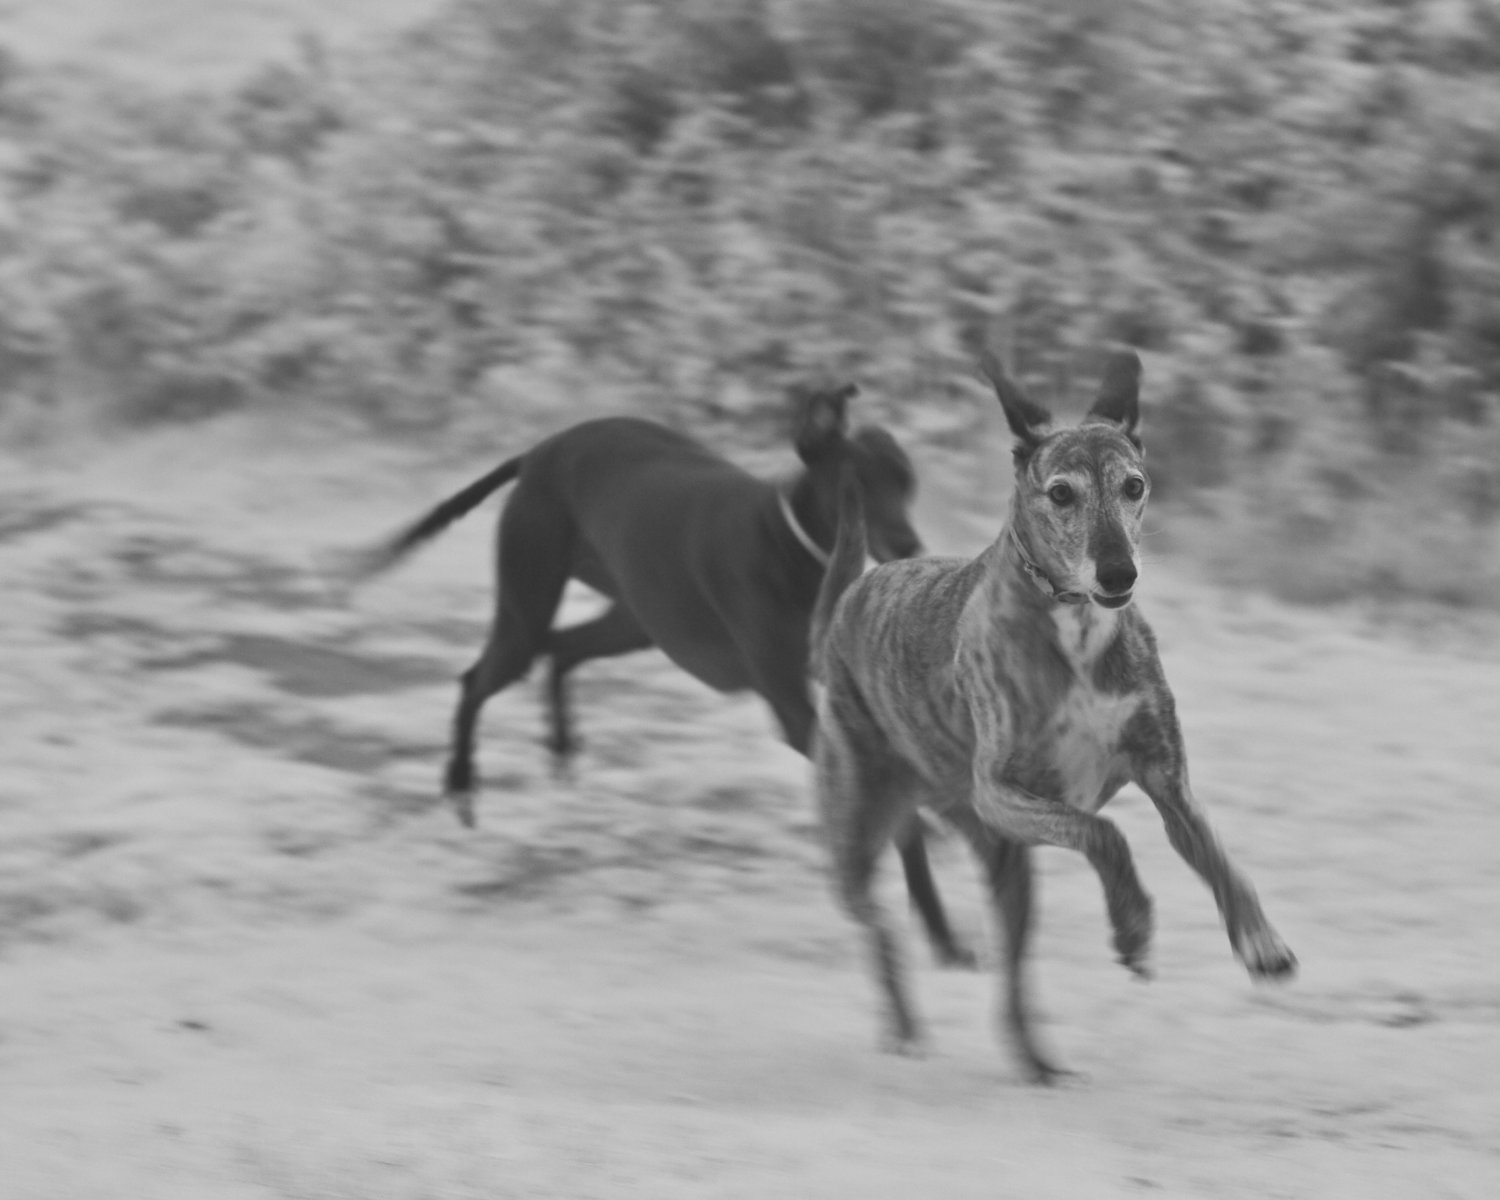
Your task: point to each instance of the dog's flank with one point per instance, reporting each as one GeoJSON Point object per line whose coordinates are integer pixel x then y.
{"type": "Point", "coordinates": [719, 569]}
{"type": "Point", "coordinates": [1014, 694]}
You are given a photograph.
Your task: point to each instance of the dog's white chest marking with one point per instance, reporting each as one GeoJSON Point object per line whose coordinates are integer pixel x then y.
{"type": "Point", "coordinates": [1085, 741]}
{"type": "Point", "coordinates": [1083, 631]}
{"type": "Point", "coordinates": [1085, 730]}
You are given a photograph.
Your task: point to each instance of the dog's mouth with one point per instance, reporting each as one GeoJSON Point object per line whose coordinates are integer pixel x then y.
{"type": "Point", "coordinates": [1119, 601]}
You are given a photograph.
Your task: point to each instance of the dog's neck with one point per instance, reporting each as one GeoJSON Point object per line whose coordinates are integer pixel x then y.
{"type": "Point", "coordinates": [1081, 630]}
{"type": "Point", "coordinates": [1084, 632]}
{"type": "Point", "coordinates": [1034, 572]}
{"type": "Point", "coordinates": [799, 512]}
{"type": "Point", "coordinates": [1018, 557]}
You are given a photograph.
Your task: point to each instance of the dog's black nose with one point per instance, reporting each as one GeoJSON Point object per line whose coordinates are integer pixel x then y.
{"type": "Point", "coordinates": [1117, 578]}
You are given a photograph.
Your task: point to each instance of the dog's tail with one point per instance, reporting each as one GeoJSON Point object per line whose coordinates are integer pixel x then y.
{"type": "Point", "coordinates": [386, 555]}
{"type": "Point", "coordinates": [845, 565]}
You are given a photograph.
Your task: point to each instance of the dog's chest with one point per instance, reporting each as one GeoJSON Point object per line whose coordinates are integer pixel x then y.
{"type": "Point", "coordinates": [1085, 737]}
{"type": "Point", "coordinates": [1084, 632]}
{"type": "Point", "coordinates": [1087, 725]}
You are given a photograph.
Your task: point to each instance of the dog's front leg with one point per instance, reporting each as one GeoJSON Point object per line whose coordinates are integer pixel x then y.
{"type": "Point", "coordinates": [1160, 767]}
{"type": "Point", "coordinates": [1015, 813]}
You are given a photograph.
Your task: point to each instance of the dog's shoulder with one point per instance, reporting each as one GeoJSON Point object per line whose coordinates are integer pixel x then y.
{"type": "Point", "coordinates": [905, 610]}
{"type": "Point", "coordinates": [910, 589]}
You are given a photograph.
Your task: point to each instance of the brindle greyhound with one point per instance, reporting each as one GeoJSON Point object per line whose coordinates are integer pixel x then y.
{"type": "Point", "coordinates": [1013, 695]}
{"type": "Point", "coordinates": [718, 568]}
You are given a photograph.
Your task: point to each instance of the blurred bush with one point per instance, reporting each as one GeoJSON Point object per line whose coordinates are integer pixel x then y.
{"type": "Point", "coordinates": [1289, 207]}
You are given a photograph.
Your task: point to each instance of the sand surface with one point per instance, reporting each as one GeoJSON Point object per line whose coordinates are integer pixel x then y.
{"type": "Point", "coordinates": [246, 952]}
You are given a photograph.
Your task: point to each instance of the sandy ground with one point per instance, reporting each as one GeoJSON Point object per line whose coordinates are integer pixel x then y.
{"type": "Point", "coordinates": [246, 953]}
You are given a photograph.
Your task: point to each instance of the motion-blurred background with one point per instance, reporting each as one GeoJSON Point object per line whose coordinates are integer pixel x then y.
{"type": "Point", "coordinates": [513, 209]}
{"type": "Point", "coordinates": [277, 275]}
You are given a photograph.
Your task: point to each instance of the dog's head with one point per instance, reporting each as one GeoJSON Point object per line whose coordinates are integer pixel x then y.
{"type": "Point", "coordinates": [887, 482]}
{"type": "Point", "coordinates": [1080, 491]}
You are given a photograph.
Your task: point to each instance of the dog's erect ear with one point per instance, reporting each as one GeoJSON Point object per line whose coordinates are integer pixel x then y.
{"type": "Point", "coordinates": [1029, 421]}
{"type": "Point", "coordinates": [822, 420]}
{"type": "Point", "coordinates": [1120, 392]}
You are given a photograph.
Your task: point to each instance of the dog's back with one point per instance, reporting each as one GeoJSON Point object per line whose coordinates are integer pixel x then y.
{"type": "Point", "coordinates": [653, 519]}
{"type": "Point", "coordinates": [627, 460]}
{"type": "Point", "coordinates": [633, 491]}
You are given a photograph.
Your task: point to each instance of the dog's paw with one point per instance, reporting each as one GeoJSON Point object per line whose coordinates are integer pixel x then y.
{"type": "Point", "coordinates": [903, 1045]}
{"type": "Point", "coordinates": [1265, 955]}
{"type": "Point", "coordinates": [956, 955]}
{"type": "Point", "coordinates": [564, 750]}
{"type": "Point", "coordinates": [462, 803]}
{"type": "Point", "coordinates": [1036, 1067]}
{"type": "Point", "coordinates": [1046, 1074]}
{"type": "Point", "coordinates": [901, 1033]}
{"type": "Point", "coordinates": [1132, 939]}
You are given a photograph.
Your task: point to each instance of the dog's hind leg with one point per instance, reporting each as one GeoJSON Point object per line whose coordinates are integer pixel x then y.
{"type": "Point", "coordinates": [501, 664]}
{"type": "Point", "coordinates": [862, 807]}
{"type": "Point", "coordinates": [920, 885]}
{"type": "Point", "coordinates": [1008, 871]}
{"type": "Point", "coordinates": [1008, 866]}
{"type": "Point", "coordinates": [788, 696]}
{"type": "Point", "coordinates": [615, 631]}
{"type": "Point", "coordinates": [506, 658]}
{"type": "Point", "coordinates": [533, 569]}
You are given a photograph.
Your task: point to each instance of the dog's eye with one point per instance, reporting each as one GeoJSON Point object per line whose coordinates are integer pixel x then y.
{"type": "Point", "coordinates": [1135, 487]}
{"type": "Point", "coordinates": [1061, 493]}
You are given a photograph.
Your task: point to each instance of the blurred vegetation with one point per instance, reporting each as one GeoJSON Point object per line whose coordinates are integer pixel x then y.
{"type": "Point", "coordinates": [1289, 207]}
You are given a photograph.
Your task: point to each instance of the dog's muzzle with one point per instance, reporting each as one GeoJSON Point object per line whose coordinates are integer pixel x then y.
{"type": "Point", "coordinates": [1115, 577]}
{"type": "Point", "coordinates": [884, 551]}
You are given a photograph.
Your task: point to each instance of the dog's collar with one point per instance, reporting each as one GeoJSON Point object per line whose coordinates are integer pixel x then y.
{"type": "Point", "coordinates": [1039, 577]}
{"type": "Point", "coordinates": [812, 547]}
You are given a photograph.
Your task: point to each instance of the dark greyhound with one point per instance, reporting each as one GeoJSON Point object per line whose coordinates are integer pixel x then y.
{"type": "Point", "coordinates": [1014, 694]}
{"type": "Point", "coordinates": [716, 567]}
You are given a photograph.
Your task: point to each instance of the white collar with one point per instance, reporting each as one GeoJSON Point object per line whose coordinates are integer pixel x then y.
{"type": "Point", "coordinates": [798, 532]}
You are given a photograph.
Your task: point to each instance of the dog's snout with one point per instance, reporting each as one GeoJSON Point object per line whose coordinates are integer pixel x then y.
{"type": "Point", "coordinates": [908, 546]}
{"type": "Point", "coordinates": [896, 545]}
{"type": "Point", "coordinates": [1117, 578]}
